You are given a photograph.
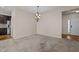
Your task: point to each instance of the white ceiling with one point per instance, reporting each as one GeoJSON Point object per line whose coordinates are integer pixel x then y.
{"type": "Point", "coordinates": [31, 9]}
{"type": "Point", "coordinates": [34, 8]}
{"type": "Point", "coordinates": [42, 9]}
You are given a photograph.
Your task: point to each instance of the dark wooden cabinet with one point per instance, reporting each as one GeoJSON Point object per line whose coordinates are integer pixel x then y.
{"type": "Point", "coordinates": [3, 31]}
{"type": "Point", "coordinates": [4, 18]}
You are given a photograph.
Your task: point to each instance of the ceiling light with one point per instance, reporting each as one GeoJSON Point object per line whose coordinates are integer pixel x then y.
{"type": "Point", "coordinates": [37, 14]}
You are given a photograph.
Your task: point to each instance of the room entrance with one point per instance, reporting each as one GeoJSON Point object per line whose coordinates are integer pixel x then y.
{"type": "Point", "coordinates": [5, 27]}
{"type": "Point", "coordinates": [70, 24]}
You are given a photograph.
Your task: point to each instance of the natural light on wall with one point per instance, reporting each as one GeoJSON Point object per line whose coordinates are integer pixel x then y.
{"type": "Point", "coordinates": [69, 26]}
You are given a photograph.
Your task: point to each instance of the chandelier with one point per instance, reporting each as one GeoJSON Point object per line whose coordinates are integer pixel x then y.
{"type": "Point", "coordinates": [37, 14]}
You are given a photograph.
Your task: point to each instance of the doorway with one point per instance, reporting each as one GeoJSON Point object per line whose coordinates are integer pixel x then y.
{"type": "Point", "coordinates": [70, 24]}
{"type": "Point", "coordinates": [5, 27]}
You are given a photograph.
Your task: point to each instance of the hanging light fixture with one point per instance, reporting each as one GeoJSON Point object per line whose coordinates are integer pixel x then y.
{"type": "Point", "coordinates": [37, 15]}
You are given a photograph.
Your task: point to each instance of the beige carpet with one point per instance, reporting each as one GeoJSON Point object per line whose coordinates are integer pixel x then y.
{"type": "Point", "coordinates": [39, 43]}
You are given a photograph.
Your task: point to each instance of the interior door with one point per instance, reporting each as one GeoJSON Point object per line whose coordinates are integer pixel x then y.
{"type": "Point", "coordinates": [75, 24]}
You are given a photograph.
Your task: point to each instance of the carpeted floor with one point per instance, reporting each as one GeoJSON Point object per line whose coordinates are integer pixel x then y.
{"type": "Point", "coordinates": [39, 43]}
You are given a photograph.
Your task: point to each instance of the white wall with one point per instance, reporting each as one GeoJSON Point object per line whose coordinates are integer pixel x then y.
{"type": "Point", "coordinates": [22, 24]}
{"type": "Point", "coordinates": [65, 19]}
{"type": "Point", "coordinates": [50, 24]}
